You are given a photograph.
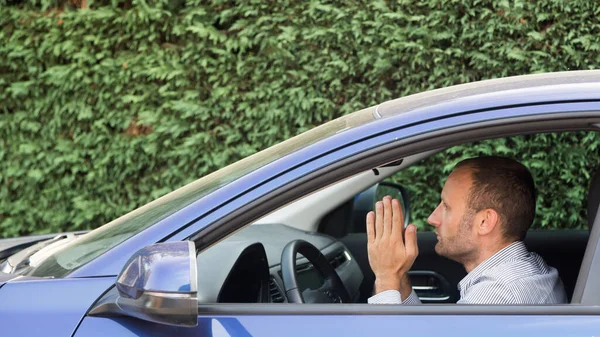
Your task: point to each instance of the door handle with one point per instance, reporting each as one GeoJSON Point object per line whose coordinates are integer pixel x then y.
{"type": "Point", "coordinates": [430, 286]}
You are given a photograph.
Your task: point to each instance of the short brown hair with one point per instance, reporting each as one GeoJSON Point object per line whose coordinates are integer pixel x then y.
{"type": "Point", "coordinates": [506, 186]}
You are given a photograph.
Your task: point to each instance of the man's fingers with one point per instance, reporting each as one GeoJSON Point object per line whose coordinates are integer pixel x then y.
{"type": "Point", "coordinates": [410, 241]}
{"type": "Point", "coordinates": [371, 226]}
{"type": "Point", "coordinates": [387, 216]}
{"type": "Point", "coordinates": [397, 219]}
{"type": "Point", "coordinates": [378, 220]}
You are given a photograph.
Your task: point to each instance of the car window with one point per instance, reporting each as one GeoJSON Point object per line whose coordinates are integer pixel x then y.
{"type": "Point", "coordinates": [561, 165]}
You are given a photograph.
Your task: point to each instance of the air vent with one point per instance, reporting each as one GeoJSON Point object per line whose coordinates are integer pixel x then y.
{"type": "Point", "coordinates": [338, 260]}
{"type": "Point", "coordinates": [275, 292]}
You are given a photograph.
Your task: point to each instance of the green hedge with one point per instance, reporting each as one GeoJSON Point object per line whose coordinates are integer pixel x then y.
{"type": "Point", "coordinates": [105, 108]}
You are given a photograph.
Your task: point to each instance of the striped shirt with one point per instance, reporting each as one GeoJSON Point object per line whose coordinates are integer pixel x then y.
{"type": "Point", "coordinates": [511, 276]}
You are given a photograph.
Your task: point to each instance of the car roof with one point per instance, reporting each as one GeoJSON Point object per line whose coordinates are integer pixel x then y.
{"type": "Point", "coordinates": [462, 91]}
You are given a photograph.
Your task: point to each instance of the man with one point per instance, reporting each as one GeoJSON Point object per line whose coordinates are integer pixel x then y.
{"type": "Point", "coordinates": [487, 206]}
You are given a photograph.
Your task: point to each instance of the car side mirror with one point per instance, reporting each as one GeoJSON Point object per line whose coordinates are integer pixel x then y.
{"type": "Point", "coordinates": [157, 284]}
{"type": "Point", "coordinates": [364, 202]}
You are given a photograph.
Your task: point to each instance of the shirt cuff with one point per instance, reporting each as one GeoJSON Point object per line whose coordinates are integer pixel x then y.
{"type": "Point", "coordinates": [412, 299]}
{"type": "Point", "coordinates": [386, 297]}
{"type": "Point", "coordinates": [393, 297]}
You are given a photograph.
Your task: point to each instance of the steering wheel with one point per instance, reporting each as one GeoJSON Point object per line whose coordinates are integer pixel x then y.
{"type": "Point", "coordinates": [332, 290]}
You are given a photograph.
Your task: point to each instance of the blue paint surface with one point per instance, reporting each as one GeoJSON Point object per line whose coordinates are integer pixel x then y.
{"type": "Point", "coordinates": [47, 307]}
{"type": "Point", "coordinates": [351, 325]}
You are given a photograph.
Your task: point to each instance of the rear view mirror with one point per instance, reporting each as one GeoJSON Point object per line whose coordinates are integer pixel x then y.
{"type": "Point", "coordinates": [157, 284]}
{"type": "Point", "coordinates": [396, 192]}
{"type": "Point", "coordinates": [365, 202]}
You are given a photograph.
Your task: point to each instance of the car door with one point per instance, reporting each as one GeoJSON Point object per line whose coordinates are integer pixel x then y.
{"type": "Point", "coordinates": [217, 319]}
{"type": "Point", "coordinates": [230, 321]}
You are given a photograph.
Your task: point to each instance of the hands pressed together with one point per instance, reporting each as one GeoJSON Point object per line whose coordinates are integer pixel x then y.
{"type": "Point", "coordinates": [392, 249]}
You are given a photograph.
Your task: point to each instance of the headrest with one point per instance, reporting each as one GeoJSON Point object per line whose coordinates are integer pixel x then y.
{"type": "Point", "coordinates": [593, 198]}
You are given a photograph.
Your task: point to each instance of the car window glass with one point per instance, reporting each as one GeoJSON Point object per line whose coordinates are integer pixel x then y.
{"type": "Point", "coordinates": [104, 238]}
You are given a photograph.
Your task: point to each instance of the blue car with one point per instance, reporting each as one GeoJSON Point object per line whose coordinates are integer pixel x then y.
{"type": "Point", "coordinates": [275, 244]}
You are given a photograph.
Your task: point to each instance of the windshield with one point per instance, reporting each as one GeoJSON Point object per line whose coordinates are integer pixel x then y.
{"type": "Point", "coordinates": [91, 245]}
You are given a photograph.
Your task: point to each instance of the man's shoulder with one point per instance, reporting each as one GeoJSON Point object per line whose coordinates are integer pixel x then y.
{"type": "Point", "coordinates": [489, 291]}
{"type": "Point", "coordinates": [522, 268]}
{"type": "Point", "coordinates": [526, 280]}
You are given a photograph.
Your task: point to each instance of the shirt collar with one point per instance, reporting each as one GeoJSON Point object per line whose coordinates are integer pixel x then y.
{"type": "Point", "coordinates": [514, 251]}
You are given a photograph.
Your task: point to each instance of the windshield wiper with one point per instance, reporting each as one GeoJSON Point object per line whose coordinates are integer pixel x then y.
{"type": "Point", "coordinates": [20, 260]}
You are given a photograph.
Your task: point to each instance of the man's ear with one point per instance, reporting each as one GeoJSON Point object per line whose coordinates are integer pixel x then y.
{"type": "Point", "coordinates": [486, 221]}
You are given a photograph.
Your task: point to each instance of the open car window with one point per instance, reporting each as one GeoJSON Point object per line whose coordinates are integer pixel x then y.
{"type": "Point", "coordinates": [434, 277]}
{"type": "Point", "coordinates": [561, 163]}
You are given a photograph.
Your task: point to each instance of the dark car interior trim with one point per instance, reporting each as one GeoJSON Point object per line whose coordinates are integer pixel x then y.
{"type": "Point", "coordinates": [248, 280]}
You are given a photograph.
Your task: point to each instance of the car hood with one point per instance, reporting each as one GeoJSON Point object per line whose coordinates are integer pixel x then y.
{"type": "Point", "coordinates": [15, 244]}
{"type": "Point", "coordinates": [5, 278]}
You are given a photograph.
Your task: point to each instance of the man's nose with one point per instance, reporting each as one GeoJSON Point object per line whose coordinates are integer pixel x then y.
{"type": "Point", "coordinates": [434, 219]}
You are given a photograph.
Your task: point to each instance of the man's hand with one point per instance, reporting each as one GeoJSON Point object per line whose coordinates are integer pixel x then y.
{"type": "Point", "coordinates": [392, 252]}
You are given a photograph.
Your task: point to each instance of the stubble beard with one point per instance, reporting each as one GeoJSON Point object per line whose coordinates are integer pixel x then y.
{"type": "Point", "coordinates": [459, 247]}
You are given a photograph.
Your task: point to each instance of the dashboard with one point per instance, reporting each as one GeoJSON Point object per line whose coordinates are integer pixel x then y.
{"type": "Point", "coordinates": [246, 266]}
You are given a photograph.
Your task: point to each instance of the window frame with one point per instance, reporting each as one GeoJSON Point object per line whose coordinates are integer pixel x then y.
{"type": "Point", "coordinates": [476, 129]}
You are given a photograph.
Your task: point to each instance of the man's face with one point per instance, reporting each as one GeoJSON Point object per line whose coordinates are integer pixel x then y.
{"type": "Point", "coordinates": [452, 219]}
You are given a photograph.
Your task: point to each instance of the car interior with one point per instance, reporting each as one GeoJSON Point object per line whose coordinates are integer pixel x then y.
{"type": "Point", "coordinates": [314, 249]}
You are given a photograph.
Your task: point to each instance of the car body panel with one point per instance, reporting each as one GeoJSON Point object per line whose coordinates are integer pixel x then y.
{"type": "Point", "coordinates": [509, 88]}
{"type": "Point", "coordinates": [23, 241]}
{"type": "Point", "coordinates": [351, 325]}
{"type": "Point", "coordinates": [48, 307]}
{"type": "Point", "coordinates": [5, 278]}
{"type": "Point", "coordinates": [411, 325]}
